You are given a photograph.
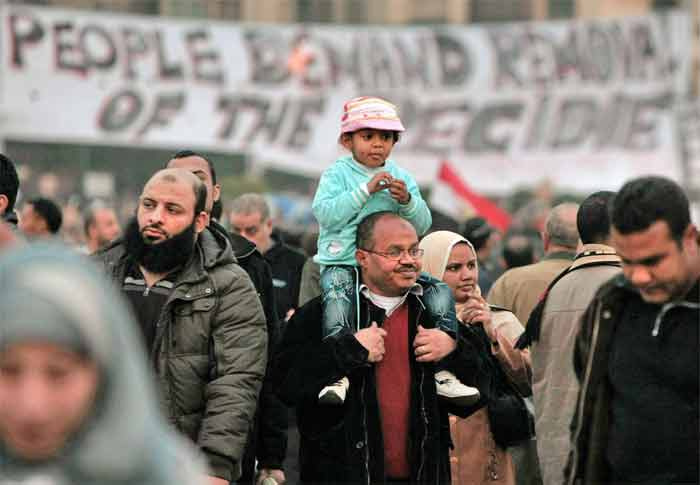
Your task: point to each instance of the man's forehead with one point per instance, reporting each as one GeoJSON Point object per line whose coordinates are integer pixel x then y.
{"type": "Point", "coordinates": [394, 230]}
{"type": "Point", "coordinates": [105, 213]}
{"type": "Point", "coordinates": [169, 188]}
{"type": "Point", "coordinates": [658, 232]}
{"type": "Point", "coordinates": [653, 242]}
{"type": "Point", "coordinates": [243, 218]}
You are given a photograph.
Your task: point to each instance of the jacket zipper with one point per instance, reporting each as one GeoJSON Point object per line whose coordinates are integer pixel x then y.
{"type": "Point", "coordinates": [424, 413]}
{"type": "Point", "coordinates": [363, 405]}
{"type": "Point", "coordinates": [584, 392]}
{"type": "Point", "coordinates": [364, 422]}
{"type": "Point", "coordinates": [665, 309]}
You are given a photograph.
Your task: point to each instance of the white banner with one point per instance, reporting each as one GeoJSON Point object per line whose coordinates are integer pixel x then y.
{"type": "Point", "coordinates": [586, 104]}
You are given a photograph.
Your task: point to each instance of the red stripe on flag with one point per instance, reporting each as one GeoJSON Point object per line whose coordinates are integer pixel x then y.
{"type": "Point", "coordinates": [496, 216]}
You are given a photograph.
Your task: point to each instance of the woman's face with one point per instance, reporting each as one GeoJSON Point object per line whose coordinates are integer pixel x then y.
{"type": "Point", "coordinates": [46, 392]}
{"type": "Point", "coordinates": [461, 272]}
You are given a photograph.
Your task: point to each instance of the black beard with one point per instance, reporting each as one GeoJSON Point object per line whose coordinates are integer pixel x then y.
{"type": "Point", "coordinates": [161, 257]}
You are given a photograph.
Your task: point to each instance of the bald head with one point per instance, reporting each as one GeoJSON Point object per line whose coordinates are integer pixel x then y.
{"type": "Point", "coordinates": [366, 228]}
{"type": "Point", "coordinates": [181, 175]}
{"type": "Point", "coordinates": [561, 232]}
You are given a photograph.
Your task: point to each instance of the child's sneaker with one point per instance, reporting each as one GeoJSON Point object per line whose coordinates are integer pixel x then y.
{"type": "Point", "coordinates": [449, 387]}
{"type": "Point", "coordinates": [335, 393]}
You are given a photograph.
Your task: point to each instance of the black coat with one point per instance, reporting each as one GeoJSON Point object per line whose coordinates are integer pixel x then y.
{"type": "Point", "coordinates": [286, 264]}
{"type": "Point", "coordinates": [344, 444]}
{"type": "Point", "coordinates": [267, 442]}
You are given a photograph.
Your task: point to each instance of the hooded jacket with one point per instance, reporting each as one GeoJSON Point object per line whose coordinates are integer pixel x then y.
{"type": "Point", "coordinates": [342, 202]}
{"type": "Point", "coordinates": [210, 349]}
{"type": "Point", "coordinates": [267, 442]}
{"type": "Point", "coordinates": [52, 294]}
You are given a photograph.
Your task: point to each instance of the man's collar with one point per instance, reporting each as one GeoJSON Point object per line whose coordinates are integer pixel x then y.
{"type": "Point", "coordinates": [596, 254]}
{"type": "Point", "coordinates": [570, 255]}
{"type": "Point", "coordinates": [390, 303]}
{"type": "Point", "coordinates": [10, 217]}
{"type": "Point", "coordinates": [135, 270]}
{"type": "Point", "coordinates": [416, 289]}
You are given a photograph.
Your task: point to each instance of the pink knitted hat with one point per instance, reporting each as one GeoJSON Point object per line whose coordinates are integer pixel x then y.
{"type": "Point", "coordinates": [369, 112]}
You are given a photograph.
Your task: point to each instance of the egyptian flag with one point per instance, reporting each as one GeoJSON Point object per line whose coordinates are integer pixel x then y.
{"type": "Point", "coordinates": [451, 196]}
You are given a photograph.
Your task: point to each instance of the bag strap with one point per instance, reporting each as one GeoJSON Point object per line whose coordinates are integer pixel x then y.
{"type": "Point", "coordinates": [534, 321]}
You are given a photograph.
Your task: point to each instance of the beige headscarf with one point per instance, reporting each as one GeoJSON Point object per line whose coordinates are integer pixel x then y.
{"type": "Point", "coordinates": [438, 246]}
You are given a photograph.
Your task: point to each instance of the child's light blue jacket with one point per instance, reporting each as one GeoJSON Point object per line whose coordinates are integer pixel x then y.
{"type": "Point", "coordinates": [341, 202]}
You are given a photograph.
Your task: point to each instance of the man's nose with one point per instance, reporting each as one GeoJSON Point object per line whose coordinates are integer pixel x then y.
{"type": "Point", "coordinates": [156, 215]}
{"type": "Point", "coordinates": [638, 275]}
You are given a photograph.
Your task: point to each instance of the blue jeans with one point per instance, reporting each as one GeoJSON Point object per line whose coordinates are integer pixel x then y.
{"type": "Point", "coordinates": [439, 305]}
{"type": "Point", "coordinates": [339, 298]}
{"type": "Point", "coordinates": [339, 292]}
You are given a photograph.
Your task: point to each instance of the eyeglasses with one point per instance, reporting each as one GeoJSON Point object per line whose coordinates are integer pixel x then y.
{"type": "Point", "coordinates": [395, 254]}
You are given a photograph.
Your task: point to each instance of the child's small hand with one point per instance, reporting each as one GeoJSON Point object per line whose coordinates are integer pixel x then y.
{"type": "Point", "coordinates": [380, 181]}
{"type": "Point", "coordinates": [399, 192]}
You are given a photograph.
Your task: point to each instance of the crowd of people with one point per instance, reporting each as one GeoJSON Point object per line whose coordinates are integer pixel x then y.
{"type": "Point", "coordinates": [184, 347]}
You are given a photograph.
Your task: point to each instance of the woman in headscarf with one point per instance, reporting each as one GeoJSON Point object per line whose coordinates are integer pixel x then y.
{"type": "Point", "coordinates": [476, 458]}
{"type": "Point", "coordinates": [76, 402]}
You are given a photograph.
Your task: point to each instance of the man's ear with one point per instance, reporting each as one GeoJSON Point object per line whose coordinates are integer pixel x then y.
{"type": "Point", "coordinates": [545, 240]}
{"type": "Point", "coordinates": [201, 221]}
{"type": "Point", "coordinates": [216, 192]}
{"type": "Point", "coordinates": [691, 239]}
{"type": "Point", "coordinates": [4, 202]}
{"type": "Point", "coordinates": [361, 258]}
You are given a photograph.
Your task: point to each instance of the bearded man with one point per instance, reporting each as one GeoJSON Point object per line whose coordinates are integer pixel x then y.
{"type": "Point", "coordinates": [202, 321]}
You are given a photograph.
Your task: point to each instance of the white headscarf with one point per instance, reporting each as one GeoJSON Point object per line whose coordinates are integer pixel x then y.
{"type": "Point", "coordinates": [438, 247]}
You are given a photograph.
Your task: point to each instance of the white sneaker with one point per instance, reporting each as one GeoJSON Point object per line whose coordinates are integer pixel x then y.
{"type": "Point", "coordinates": [335, 393]}
{"type": "Point", "coordinates": [449, 387]}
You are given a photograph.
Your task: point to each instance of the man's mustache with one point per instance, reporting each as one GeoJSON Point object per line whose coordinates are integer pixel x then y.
{"type": "Point", "coordinates": [408, 268]}
{"type": "Point", "coordinates": [157, 227]}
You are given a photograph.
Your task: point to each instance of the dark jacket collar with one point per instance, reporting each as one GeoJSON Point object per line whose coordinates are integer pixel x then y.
{"type": "Point", "coordinates": [212, 249]}
{"type": "Point", "coordinates": [10, 217]}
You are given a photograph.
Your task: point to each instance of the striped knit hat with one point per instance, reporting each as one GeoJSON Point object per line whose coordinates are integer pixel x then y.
{"type": "Point", "coordinates": [369, 112]}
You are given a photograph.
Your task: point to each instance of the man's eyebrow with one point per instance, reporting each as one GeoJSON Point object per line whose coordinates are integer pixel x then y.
{"type": "Point", "coordinates": [648, 261]}
{"type": "Point", "coordinates": [174, 204]}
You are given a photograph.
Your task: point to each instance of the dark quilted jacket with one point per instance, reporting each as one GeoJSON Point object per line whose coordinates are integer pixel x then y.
{"type": "Point", "coordinates": [210, 350]}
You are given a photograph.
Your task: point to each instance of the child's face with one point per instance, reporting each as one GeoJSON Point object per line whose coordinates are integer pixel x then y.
{"type": "Point", "coordinates": [369, 147]}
